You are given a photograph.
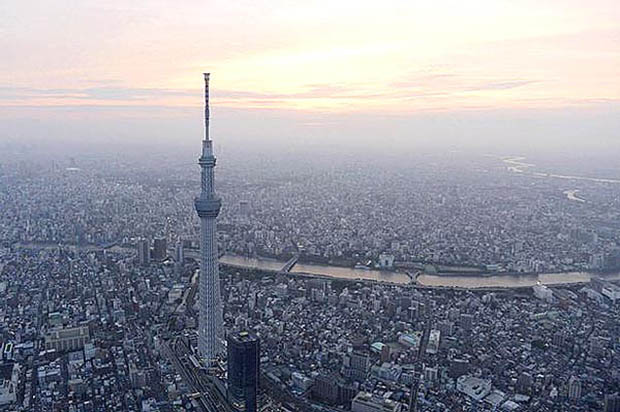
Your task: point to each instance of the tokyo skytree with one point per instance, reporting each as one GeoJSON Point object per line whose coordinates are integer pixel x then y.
{"type": "Point", "coordinates": [208, 207]}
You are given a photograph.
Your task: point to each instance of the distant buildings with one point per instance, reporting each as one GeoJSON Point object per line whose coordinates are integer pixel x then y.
{"type": "Point", "coordinates": [466, 321]}
{"type": "Point", "coordinates": [9, 375]}
{"type": "Point", "coordinates": [473, 387]}
{"type": "Point", "coordinates": [612, 403]}
{"type": "Point", "coordinates": [244, 208]}
{"type": "Point", "coordinates": [605, 288]}
{"type": "Point", "coordinates": [180, 253]}
{"type": "Point", "coordinates": [458, 367]}
{"type": "Point", "coordinates": [301, 382]}
{"type": "Point", "coordinates": [542, 292]}
{"type": "Point", "coordinates": [410, 339]}
{"type": "Point", "coordinates": [356, 366]}
{"type": "Point", "coordinates": [243, 371]}
{"type": "Point", "coordinates": [611, 291]}
{"type": "Point", "coordinates": [385, 353]}
{"type": "Point", "coordinates": [433, 342]}
{"type": "Point", "coordinates": [144, 252]}
{"type": "Point", "coordinates": [574, 388]}
{"type": "Point", "coordinates": [325, 389]}
{"type": "Point", "coordinates": [325, 332]}
{"type": "Point", "coordinates": [313, 352]}
{"type": "Point", "coordinates": [430, 375]}
{"type": "Point", "coordinates": [368, 402]}
{"type": "Point", "coordinates": [67, 339]}
{"type": "Point", "coordinates": [386, 261]}
{"type": "Point", "coordinates": [159, 249]}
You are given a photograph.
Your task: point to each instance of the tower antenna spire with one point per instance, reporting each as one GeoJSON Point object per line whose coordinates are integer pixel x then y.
{"type": "Point", "coordinates": [207, 113]}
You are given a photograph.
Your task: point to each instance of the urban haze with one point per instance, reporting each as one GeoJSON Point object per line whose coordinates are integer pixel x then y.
{"type": "Point", "coordinates": [332, 206]}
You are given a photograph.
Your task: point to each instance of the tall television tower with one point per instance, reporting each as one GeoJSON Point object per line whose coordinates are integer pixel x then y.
{"type": "Point", "coordinates": [208, 207]}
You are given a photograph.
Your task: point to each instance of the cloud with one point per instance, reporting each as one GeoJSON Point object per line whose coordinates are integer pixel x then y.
{"type": "Point", "coordinates": [450, 83]}
{"type": "Point", "coordinates": [420, 79]}
{"type": "Point", "coordinates": [502, 85]}
{"type": "Point", "coordinates": [91, 93]}
{"type": "Point", "coordinates": [129, 94]}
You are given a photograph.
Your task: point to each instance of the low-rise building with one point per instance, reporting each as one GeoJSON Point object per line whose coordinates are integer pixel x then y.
{"type": "Point", "coordinates": [67, 339]}
{"type": "Point", "coordinates": [473, 387]}
{"type": "Point", "coordinates": [368, 402]}
{"type": "Point", "coordinates": [9, 377]}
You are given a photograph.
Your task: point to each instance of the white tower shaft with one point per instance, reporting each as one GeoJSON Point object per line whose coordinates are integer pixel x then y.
{"type": "Point", "coordinates": [208, 207]}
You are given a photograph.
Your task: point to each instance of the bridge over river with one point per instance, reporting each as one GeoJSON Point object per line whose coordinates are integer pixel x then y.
{"type": "Point", "coordinates": [469, 281]}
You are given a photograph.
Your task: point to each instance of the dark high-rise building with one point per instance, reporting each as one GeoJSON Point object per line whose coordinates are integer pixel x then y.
{"type": "Point", "coordinates": [467, 321]}
{"type": "Point", "coordinates": [243, 371]}
{"type": "Point", "coordinates": [359, 365]}
{"type": "Point", "coordinates": [159, 249]}
{"type": "Point", "coordinates": [413, 396]}
{"type": "Point", "coordinates": [385, 353]}
{"type": "Point", "coordinates": [458, 367]}
{"type": "Point", "coordinates": [612, 403]}
{"type": "Point", "coordinates": [524, 382]}
{"type": "Point", "coordinates": [346, 392]}
{"type": "Point", "coordinates": [244, 208]}
{"type": "Point", "coordinates": [574, 388]}
{"type": "Point", "coordinates": [180, 252]}
{"type": "Point", "coordinates": [144, 252]}
{"type": "Point", "coordinates": [325, 389]}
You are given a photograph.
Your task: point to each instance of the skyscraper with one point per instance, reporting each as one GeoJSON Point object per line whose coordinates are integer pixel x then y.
{"type": "Point", "coordinates": [413, 396]}
{"type": "Point", "coordinates": [180, 253]}
{"type": "Point", "coordinates": [159, 249]}
{"type": "Point", "coordinates": [243, 371]}
{"type": "Point", "coordinates": [574, 388]}
{"type": "Point", "coordinates": [208, 207]}
{"type": "Point", "coordinates": [612, 403]}
{"type": "Point", "coordinates": [144, 252]}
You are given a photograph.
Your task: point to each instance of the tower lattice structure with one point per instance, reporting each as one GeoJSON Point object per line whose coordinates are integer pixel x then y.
{"type": "Point", "coordinates": [208, 206]}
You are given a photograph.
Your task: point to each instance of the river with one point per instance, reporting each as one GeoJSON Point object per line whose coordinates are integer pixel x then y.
{"type": "Point", "coordinates": [350, 273]}
{"type": "Point", "coordinates": [254, 263]}
{"type": "Point", "coordinates": [457, 281]}
{"type": "Point", "coordinates": [315, 269]}
{"type": "Point", "coordinates": [572, 195]}
{"type": "Point", "coordinates": [516, 164]}
{"type": "Point", "coordinates": [510, 281]}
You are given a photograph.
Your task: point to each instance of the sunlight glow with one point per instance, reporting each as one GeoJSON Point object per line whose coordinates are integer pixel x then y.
{"type": "Point", "coordinates": [329, 56]}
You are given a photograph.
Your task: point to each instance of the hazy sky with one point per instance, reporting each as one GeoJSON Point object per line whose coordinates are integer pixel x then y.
{"type": "Point", "coordinates": [416, 71]}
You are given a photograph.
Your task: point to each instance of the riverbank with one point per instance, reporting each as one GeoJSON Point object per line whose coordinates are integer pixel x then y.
{"type": "Point", "coordinates": [422, 279]}
{"type": "Point", "coordinates": [418, 285]}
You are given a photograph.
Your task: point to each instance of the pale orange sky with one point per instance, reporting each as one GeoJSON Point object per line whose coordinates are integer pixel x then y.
{"type": "Point", "coordinates": [330, 56]}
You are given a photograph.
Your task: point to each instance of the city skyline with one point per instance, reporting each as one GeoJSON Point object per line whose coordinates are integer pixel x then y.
{"type": "Point", "coordinates": [417, 206]}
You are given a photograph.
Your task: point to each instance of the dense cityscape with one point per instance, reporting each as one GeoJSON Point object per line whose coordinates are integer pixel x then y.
{"type": "Point", "coordinates": [101, 276]}
{"type": "Point", "coordinates": [458, 211]}
{"type": "Point", "coordinates": [309, 206]}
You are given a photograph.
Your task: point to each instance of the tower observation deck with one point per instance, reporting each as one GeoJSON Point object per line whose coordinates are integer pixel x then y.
{"type": "Point", "coordinates": [207, 206]}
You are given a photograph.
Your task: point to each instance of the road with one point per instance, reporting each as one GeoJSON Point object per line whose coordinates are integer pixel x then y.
{"type": "Point", "coordinates": [210, 400]}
